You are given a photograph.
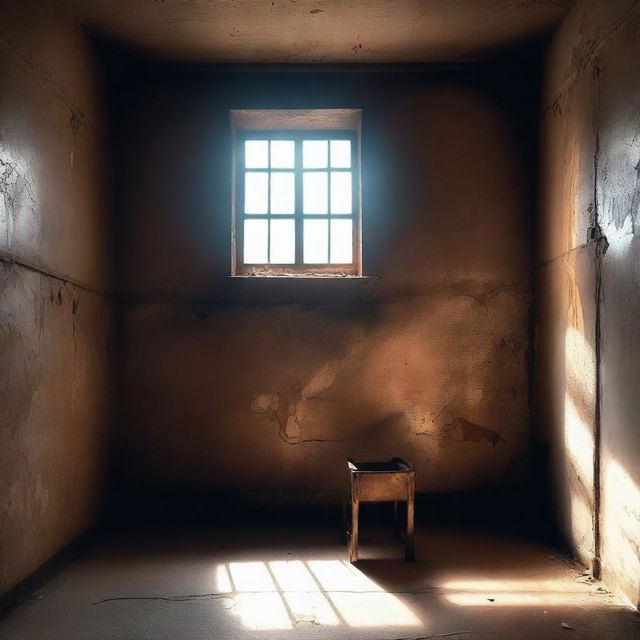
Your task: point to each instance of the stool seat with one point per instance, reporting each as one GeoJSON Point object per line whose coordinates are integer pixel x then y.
{"type": "Point", "coordinates": [392, 481]}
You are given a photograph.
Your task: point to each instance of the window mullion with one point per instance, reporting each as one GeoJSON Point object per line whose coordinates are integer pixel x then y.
{"type": "Point", "coordinates": [269, 202]}
{"type": "Point", "coordinates": [297, 164]}
{"type": "Point", "coordinates": [329, 201]}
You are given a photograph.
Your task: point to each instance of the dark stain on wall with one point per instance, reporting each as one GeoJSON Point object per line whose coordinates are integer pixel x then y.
{"type": "Point", "coordinates": [471, 432]}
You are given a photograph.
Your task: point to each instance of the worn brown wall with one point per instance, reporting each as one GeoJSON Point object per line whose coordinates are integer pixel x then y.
{"type": "Point", "coordinates": [589, 356]}
{"type": "Point", "coordinates": [266, 385]}
{"type": "Point", "coordinates": [54, 315]}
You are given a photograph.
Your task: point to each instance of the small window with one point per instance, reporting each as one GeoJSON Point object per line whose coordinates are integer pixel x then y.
{"type": "Point", "coordinates": [296, 205]}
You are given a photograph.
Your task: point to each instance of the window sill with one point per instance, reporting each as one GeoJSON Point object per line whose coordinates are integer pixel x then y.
{"type": "Point", "coordinates": [298, 276]}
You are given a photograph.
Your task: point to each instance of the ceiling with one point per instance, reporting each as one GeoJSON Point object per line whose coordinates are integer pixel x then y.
{"type": "Point", "coordinates": [320, 31]}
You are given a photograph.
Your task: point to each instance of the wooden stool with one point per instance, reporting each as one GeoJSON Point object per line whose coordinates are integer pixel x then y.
{"type": "Point", "coordinates": [393, 481]}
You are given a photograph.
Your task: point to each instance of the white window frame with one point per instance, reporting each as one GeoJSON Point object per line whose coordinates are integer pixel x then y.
{"type": "Point", "coordinates": [296, 125]}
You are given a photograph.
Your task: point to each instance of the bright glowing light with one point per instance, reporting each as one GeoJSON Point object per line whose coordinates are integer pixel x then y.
{"type": "Point", "coordinates": [293, 576]}
{"type": "Point", "coordinates": [340, 153]}
{"type": "Point", "coordinates": [256, 154]}
{"type": "Point", "coordinates": [621, 501]}
{"type": "Point", "coordinates": [359, 600]}
{"type": "Point", "coordinates": [302, 593]}
{"type": "Point", "coordinates": [341, 242]}
{"type": "Point", "coordinates": [315, 154]}
{"type": "Point", "coordinates": [377, 609]}
{"type": "Point", "coordinates": [311, 607]}
{"type": "Point", "coordinates": [316, 242]}
{"type": "Point", "coordinates": [223, 582]}
{"type": "Point", "coordinates": [579, 400]}
{"type": "Point", "coordinates": [578, 441]}
{"type": "Point", "coordinates": [513, 599]}
{"type": "Point", "coordinates": [281, 594]}
{"type": "Point", "coordinates": [251, 576]}
{"type": "Point", "coordinates": [262, 611]}
{"type": "Point", "coordinates": [484, 593]}
{"type": "Point", "coordinates": [336, 575]}
{"type": "Point", "coordinates": [507, 585]}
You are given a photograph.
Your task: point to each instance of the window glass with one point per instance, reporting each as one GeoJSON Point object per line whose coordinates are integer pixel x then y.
{"type": "Point", "coordinates": [256, 154]}
{"type": "Point", "coordinates": [283, 192]}
{"type": "Point", "coordinates": [341, 192]}
{"type": "Point", "coordinates": [315, 192]}
{"type": "Point", "coordinates": [340, 154]}
{"type": "Point", "coordinates": [282, 247]}
{"type": "Point", "coordinates": [256, 190]}
{"type": "Point", "coordinates": [315, 154]}
{"type": "Point", "coordinates": [316, 241]}
{"type": "Point", "coordinates": [341, 242]}
{"type": "Point", "coordinates": [297, 204]}
{"type": "Point", "coordinates": [256, 241]}
{"type": "Point", "coordinates": [282, 154]}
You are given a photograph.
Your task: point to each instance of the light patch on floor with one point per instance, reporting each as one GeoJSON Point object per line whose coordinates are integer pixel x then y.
{"type": "Point", "coordinates": [281, 594]}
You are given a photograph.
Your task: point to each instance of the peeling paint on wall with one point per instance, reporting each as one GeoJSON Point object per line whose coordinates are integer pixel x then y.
{"type": "Point", "coordinates": [471, 432]}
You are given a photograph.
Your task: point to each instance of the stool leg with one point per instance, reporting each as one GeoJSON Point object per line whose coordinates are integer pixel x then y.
{"type": "Point", "coordinates": [353, 542]}
{"type": "Point", "coordinates": [409, 550]}
{"type": "Point", "coordinates": [396, 520]}
{"type": "Point", "coordinates": [343, 532]}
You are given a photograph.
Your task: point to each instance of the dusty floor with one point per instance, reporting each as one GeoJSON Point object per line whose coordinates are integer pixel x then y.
{"type": "Point", "coordinates": [286, 582]}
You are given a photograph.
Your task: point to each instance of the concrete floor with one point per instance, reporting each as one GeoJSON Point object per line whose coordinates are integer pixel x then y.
{"type": "Point", "coordinates": [290, 583]}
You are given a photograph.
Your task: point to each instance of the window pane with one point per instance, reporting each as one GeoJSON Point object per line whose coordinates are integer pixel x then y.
{"type": "Point", "coordinates": [256, 154]}
{"type": "Point", "coordinates": [282, 154]}
{"type": "Point", "coordinates": [256, 241]}
{"type": "Point", "coordinates": [341, 154]}
{"type": "Point", "coordinates": [282, 192]}
{"type": "Point", "coordinates": [314, 191]}
{"type": "Point", "coordinates": [283, 242]}
{"type": "Point", "coordinates": [341, 242]}
{"type": "Point", "coordinates": [256, 189]}
{"type": "Point", "coordinates": [315, 154]}
{"type": "Point", "coordinates": [341, 192]}
{"type": "Point", "coordinates": [316, 246]}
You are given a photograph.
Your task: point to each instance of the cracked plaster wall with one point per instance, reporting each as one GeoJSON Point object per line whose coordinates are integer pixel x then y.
{"type": "Point", "coordinates": [589, 355]}
{"type": "Point", "coordinates": [269, 385]}
{"type": "Point", "coordinates": [54, 322]}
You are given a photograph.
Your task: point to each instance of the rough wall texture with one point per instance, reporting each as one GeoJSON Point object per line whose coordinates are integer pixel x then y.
{"type": "Point", "coordinates": [54, 321]}
{"type": "Point", "coordinates": [589, 353]}
{"type": "Point", "coordinates": [322, 31]}
{"type": "Point", "coordinates": [269, 384]}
